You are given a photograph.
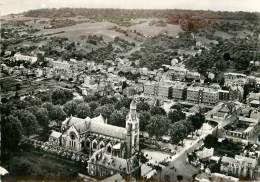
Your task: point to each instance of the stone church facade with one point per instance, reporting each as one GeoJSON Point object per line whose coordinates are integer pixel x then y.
{"type": "Point", "coordinates": [111, 149]}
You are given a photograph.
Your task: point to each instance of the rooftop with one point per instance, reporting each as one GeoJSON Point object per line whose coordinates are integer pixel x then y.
{"type": "Point", "coordinates": [96, 125]}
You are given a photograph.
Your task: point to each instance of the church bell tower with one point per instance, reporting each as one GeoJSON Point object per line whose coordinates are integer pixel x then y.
{"type": "Point", "coordinates": [132, 127]}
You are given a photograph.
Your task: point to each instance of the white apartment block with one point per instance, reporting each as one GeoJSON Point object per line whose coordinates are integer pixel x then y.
{"type": "Point", "coordinates": [20, 57]}
{"type": "Point", "coordinates": [235, 79]}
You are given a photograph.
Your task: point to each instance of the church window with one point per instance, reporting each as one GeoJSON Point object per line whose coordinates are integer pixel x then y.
{"type": "Point", "coordinates": [109, 149]}
{"type": "Point", "coordinates": [101, 146]}
{"type": "Point", "coordinates": [87, 143]}
{"type": "Point", "coordinates": [72, 135]}
{"type": "Point", "coordinates": [82, 144]}
{"type": "Point", "coordinates": [94, 145]}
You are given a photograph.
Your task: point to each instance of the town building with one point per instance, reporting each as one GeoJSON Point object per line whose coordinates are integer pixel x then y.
{"type": "Point", "coordinates": [236, 92]}
{"type": "Point", "coordinates": [150, 89]}
{"type": "Point", "coordinates": [164, 90]}
{"type": "Point", "coordinates": [210, 96]}
{"type": "Point", "coordinates": [194, 94]}
{"type": "Point", "coordinates": [61, 69]}
{"type": "Point", "coordinates": [224, 113]}
{"type": "Point", "coordinates": [193, 75]}
{"type": "Point", "coordinates": [241, 130]}
{"type": "Point", "coordinates": [178, 73]}
{"type": "Point", "coordinates": [29, 59]}
{"type": "Point", "coordinates": [235, 79]}
{"type": "Point", "coordinates": [179, 90]}
{"type": "Point", "coordinates": [223, 95]}
{"type": "Point", "coordinates": [240, 166]}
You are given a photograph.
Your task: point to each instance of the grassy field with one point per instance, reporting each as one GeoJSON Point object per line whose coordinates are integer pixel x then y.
{"type": "Point", "coordinates": [34, 166]}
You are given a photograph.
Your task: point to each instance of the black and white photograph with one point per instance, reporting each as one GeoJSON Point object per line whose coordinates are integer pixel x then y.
{"type": "Point", "coordinates": [130, 90]}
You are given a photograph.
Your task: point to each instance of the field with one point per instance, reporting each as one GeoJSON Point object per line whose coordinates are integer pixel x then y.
{"type": "Point", "coordinates": [39, 165]}
{"type": "Point", "coordinates": [147, 28]}
{"type": "Point", "coordinates": [106, 28]}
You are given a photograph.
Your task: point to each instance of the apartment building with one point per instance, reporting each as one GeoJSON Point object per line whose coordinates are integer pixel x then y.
{"type": "Point", "coordinates": [240, 166]}
{"type": "Point", "coordinates": [242, 129]}
{"type": "Point", "coordinates": [150, 89]}
{"type": "Point", "coordinates": [164, 90]}
{"type": "Point", "coordinates": [195, 94]}
{"type": "Point", "coordinates": [30, 59]}
{"type": "Point", "coordinates": [210, 96]}
{"type": "Point", "coordinates": [179, 90]}
{"type": "Point", "coordinates": [235, 78]}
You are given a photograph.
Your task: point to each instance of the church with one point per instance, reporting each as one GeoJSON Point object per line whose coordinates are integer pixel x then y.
{"type": "Point", "coordinates": [111, 149]}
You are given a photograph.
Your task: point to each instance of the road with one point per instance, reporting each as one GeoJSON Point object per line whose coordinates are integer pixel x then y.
{"type": "Point", "coordinates": [178, 161]}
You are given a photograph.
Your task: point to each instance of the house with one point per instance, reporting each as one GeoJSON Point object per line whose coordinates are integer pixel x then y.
{"type": "Point", "coordinates": [224, 113]}
{"type": "Point", "coordinates": [242, 129]}
{"type": "Point", "coordinates": [236, 92]}
{"type": "Point", "coordinates": [55, 138]}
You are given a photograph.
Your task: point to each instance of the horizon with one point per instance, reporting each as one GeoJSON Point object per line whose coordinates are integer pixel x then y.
{"type": "Point", "coordinates": [20, 6]}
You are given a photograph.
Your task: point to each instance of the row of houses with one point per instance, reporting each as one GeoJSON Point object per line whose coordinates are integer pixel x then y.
{"type": "Point", "coordinates": [193, 94]}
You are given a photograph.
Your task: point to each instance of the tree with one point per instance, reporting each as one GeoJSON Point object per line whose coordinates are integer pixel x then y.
{"type": "Point", "coordinates": [144, 118]}
{"type": "Point", "coordinates": [105, 110]}
{"type": "Point", "coordinates": [178, 132]}
{"type": "Point", "coordinates": [21, 104]}
{"type": "Point", "coordinates": [107, 100]}
{"type": "Point", "coordinates": [124, 102]}
{"type": "Point", "coordinates": [93, 105]}
{"type": "Point", "coordinates": [157, 110]}
{"type": "Point", "coordinates": [83, 110]}
{"type": "Point", "coordinates": [42, 117]}
{"type": "Point", "coordinates": [11, 129]}
{"type": "Point", "coordinates": [158, 126]}
{"type": "Point", "coordinates": [90, 98]}
{"type": "Point", "coordinates": [210, 141]}
{"type": "Point", "coordinates": [197, 120]}
{"type": "Point", "coordinates": [49, 106]}
{"type": "Point", "coordinates": [118, 118]}
{"type": "Point", "coordinates": [142, 106]}
{"type": "Point", "coordinates": [33, 100]}
{"type": "Point", "coordinates": [45, 96]}
{"type": "Point", "coordinates": [176, 115]}
{"type": "Point", "coordinates": [28, 120]}
{"type": "Point", "coordinates": [57, 114]}
{"type": "Point", "coordinates": [61, 96]}
{"type": "Point", "coordinates": [70, 108]}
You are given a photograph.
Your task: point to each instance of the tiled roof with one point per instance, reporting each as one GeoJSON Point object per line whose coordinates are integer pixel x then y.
{"type": "Point", "coordinates": [55, 134]}
{"type": "Point", "coordinates": [109, 130]}
{"type": "Point", "coordinates": [112, 162]}
{"type": "Point", "coordinates": [96, 125]}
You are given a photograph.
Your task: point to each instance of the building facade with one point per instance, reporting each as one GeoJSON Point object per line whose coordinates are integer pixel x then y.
{"type": "Point", "coordinates": [111, 149]}
{"type": "Point", "coordinates": [240, 166]}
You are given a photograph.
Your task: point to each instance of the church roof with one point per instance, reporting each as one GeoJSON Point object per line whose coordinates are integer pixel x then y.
{"type": "Point", "coordinates": [72, 121]}
{"type": "Point", "coordinates": [96, 125]}
{"type": "Point", "coordinates": [99, 119]}
{"type": "Point", "coordinates": [107, 129]}
{"type": "Point", "coordinates": [55, 134]}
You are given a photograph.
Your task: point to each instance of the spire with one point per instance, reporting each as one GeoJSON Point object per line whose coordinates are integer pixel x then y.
{"type": "Point", "coordinates": [133, 105]}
